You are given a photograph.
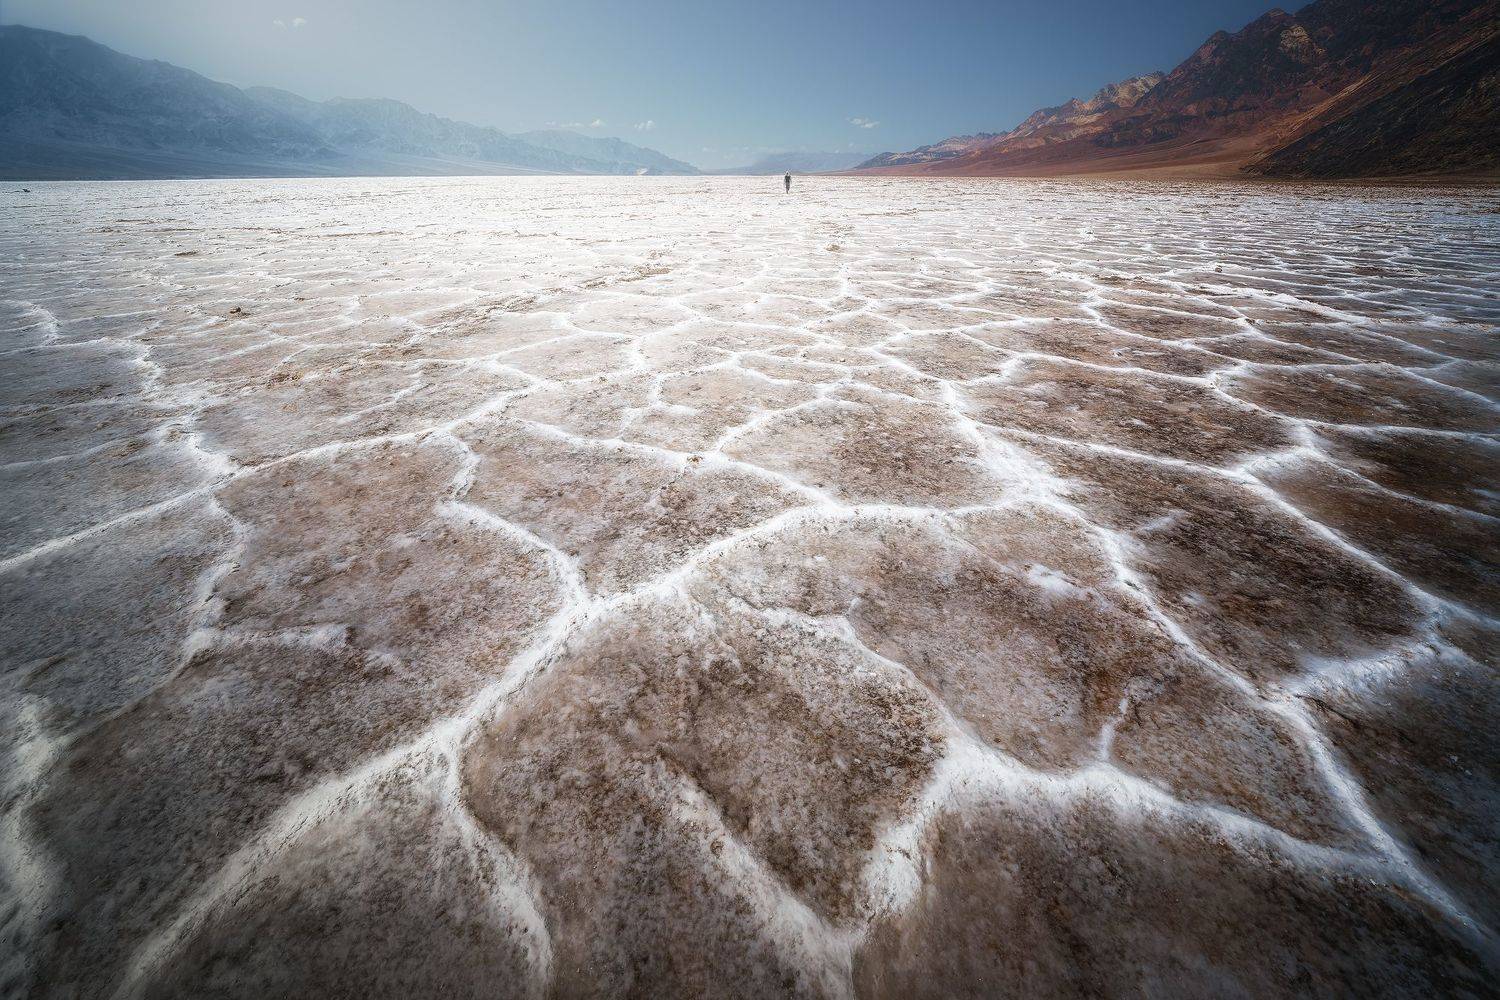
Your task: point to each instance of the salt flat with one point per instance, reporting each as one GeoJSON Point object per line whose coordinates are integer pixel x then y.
{"type": "Point", "coordinates": [671, 588]}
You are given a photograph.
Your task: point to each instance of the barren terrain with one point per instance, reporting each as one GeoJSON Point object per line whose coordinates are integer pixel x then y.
{"type": "Point", "coordinates": [670, 588]}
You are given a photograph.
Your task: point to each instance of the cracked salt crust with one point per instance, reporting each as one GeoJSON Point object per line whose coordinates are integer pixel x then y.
{"type": "Point", "coordinates": [667, 587]}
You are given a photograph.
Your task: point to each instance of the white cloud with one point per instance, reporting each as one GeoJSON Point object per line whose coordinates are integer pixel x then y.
{"type": "Point", "coordinates": [279, 23]}
{"type": "Point", "coordinates": [646, 125]}
{"type": "Point", "coordinates": [282, 25]}
{"type": "Point", "coordinates": [298, 22]}
{"type": "Point", "coordinates": [863, 122]}
{"type": "Point", "coordinates": [597, 123]}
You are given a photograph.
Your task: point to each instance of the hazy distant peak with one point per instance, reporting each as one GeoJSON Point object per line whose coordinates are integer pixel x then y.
{"type": "Point", "coordinates": [798, 161]}
{"type": "Point", "coordinates": [275, 95]}
{"type": "Point", "coordinates": [607, 147]}
{"type": "Point", "coordinates": [949, 148]}
{"type": "Point", "coordinates": [70, 107]}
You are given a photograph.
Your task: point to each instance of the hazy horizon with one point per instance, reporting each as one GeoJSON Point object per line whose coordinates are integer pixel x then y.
{"type": "Point", "coordinates": [714, 85]}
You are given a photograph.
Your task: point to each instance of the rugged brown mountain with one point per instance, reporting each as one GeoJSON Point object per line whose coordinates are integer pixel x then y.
{"type": "Point", "coordinates": [1042, 127]}
{"type": "Point", "coordinates": [1438, 112]}
{"type": "Point", "coordinates": [1077, 117]}
{"type": "Point", "coordinates": [1341, 88]}
{"type": "Point", "coordinates": [949, 148]}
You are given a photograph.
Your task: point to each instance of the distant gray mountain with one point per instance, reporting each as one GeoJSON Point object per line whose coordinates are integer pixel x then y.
{"type": "Point", "coordinates": [378, 125]}
{"type": "Point", "coordinates": [947, 149]}
{"type": "Point", "coordinates": [607, 149]}
{"type": "Point", "coordinates": [798, 162]}
{"type": "Point", "coordinates": [67, 89]}
{"type": "Point", "coordinates": [72, 108]}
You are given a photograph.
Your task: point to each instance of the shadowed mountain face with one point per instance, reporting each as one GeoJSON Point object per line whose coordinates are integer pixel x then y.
{"type": "Point", "coordinates": [1441, 115]}
{"type": "Point", "coordinates": [1412, 83]}
{"type": "Point", "coordinates": [71, 108]}
{"type": "Point", "coordinates": [65, 88]}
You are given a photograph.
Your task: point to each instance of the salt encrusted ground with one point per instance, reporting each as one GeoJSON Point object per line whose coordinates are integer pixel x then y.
{"type": "Point", "coordinates": [669, 588]}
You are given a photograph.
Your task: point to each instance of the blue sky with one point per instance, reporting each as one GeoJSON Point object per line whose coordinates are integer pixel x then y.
{"type": "Point", "coordinates": [716, 84]}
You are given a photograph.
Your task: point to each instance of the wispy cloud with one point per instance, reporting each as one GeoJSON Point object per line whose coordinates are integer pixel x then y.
{"type": "Point", "coordinates": [646, 125]}
{"type": "Point", "coordinates": [863, 122]}
{"type": "Point", "coordinates": [596, 123]}
{"type": "Point", "coordinates": [294, 23]}
{"type": "Point", "coordinates": [298, 22]}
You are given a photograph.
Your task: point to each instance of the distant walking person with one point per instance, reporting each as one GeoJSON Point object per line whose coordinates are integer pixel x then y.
{"type": "Point", "coordinates": [788, 179]}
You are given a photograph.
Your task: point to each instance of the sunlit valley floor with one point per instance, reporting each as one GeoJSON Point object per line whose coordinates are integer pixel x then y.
{"type": "Point", "coordinates": [674, 588]}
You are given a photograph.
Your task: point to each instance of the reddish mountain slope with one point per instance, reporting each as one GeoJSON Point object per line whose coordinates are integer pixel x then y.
{"type": "Point", "coordinates": [949, 148]}
{"type": "Point", "coordinates": [1049, 125]}
{"type": "Point", "coordinates": [1438, 111]}
{"type": "Point", "coordinates": [1341, 88]}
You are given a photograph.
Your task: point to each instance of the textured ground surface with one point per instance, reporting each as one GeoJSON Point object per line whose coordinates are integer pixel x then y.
{"type": "Point", "coordinates": [669, 588]}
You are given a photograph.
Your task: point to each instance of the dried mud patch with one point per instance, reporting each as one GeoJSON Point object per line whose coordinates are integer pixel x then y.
{"type": "Point", "coordinates": [155, 800]}
{"type": "Point", "coordinates": [55, 375]}
{"type": "Point", "coordinates": [673, 768]}
{"type": "Point", "coordinates": [864, 448]}
{"type": "Point", "coordinates": [1365, 397]}
{"type": "Point", "coordinates": [106, 619]}
{"type": "Point", "coordinates": [346, 404]}
{"type": "Point", "coordinates": [389, 895]}
{"type": "Point", "coordinates": [1453, 553]}
{"type": "Point", "coordinates": [1088, 897]}
{"type": "Point", "coordinates": [1419, 737]}
{"type": "Point", "coordinates": [1032, 650]}
{"type": "Point", "coordinates": [1163, 324]}
{"type": "Point", "coordinates": [1016, 622]}
{"type": "Point", "coordinates": [62, 497]}
{"type": "Point", "coordinates": [357, 541]}
{"type": "Point", "coordinates": [950, 357]}
{"type": "Point", "coordinates": [1460, 471]}
{"type": "Point", "coordinates": [1161, 416]}
{"type": "Point", "coordinates": [1096, 344]}
{"type": "Point", "coordinates": [1256, 586]}
{"type": "Point", "coordinates": [623, 515]}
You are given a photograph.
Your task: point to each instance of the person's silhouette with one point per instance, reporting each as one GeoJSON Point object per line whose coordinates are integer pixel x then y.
{"type": "Point", "coordinates": [788, 179]}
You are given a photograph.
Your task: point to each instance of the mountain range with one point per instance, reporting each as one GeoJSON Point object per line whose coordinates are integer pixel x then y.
{"type": "Point", "coordinates": [72, 108]}
{"type": "Point", "coordinates": [1342, 88]}
{"type": "Point", "coordinates": [1041, 128]}
{"type": "Point", "coordinates": [797, 162]}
